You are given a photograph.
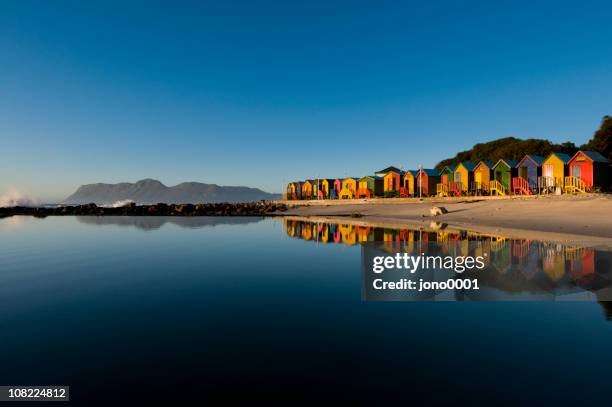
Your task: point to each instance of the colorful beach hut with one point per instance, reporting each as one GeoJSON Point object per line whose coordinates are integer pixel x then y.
{"type": "Point", "coordinates": [554, 169]}
{"type": "Point", "coordinates": [463, 177]}
{"type": "Point", "coordinates": [588, 170]}
{"type": "Point", "coordinates": [393, 182]}
{"type": "Point", "coordinates": [370, 186]}
{"type": "Point", "coordinates": [337, 187]}
{"type": "Point", "coordinates": [529, 169]}
{"type": "Point", "coordinates": [446, 178]}
{"type": "Point", "coordinates": [426, 181]}
{"type": "Point", "coordinates": [298, 189]}
{"type": "Point", "coordinates": [323, 187]}
{"type": "Point", "coordinates": [503, 172]}
{"type": "Point", "coordinates": [307, 188]}
{"type": "Point", "coordinates": [482, 177]}
{"type": "Point", "coordinates": [349, 188]}
{"type": "Point", "coordinates": [291, 192]}
{"type": "Point", "coordinates": [410, 181]}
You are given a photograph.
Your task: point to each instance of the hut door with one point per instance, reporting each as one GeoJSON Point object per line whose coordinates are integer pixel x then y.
{"type": "Point", "coordinates": [523, 172]}
{"type": "Point", "coordinates": [576, 171]}
{"type": "Point", "coordinates": [547, 170]}
{"type": "Point", "coordinates": [445, 179]}
{"type": "Point", "coordinates": [478, 177]}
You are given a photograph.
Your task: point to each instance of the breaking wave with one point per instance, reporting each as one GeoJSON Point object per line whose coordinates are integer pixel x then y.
{"type": "Point", "coordinates": [16, 198]}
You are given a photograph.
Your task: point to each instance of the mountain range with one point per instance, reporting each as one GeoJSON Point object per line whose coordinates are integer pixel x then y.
{"type": "Point", "coordinates": [151, 191]}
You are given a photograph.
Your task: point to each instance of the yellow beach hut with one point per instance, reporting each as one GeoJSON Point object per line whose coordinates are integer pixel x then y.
{"type": "Point", "coordinates": [349, 188]}
{"type": "Point", "coordinates": [410, 181]}
{"type": "Point", "coordinates": [482, 176]}
{"type": "Point", "coordinates": [463, 176]}
{"type": "Point", "coordinates": [307, 187]}
{"type": "Point", "coordinates": [554, 169]}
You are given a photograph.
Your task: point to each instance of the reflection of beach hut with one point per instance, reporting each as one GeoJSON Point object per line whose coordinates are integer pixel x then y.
{"type": "Point", "coordinates": [349, 188]}
{"type": "Point", "coordinates": [392, 182]}
{"type": "Point", "coordinates": [482, 178]}
{"type": "Point", "coordinates": [503, 172]}
{"type": "Point", "coordinates": [554, 169]}
{"type": "Point", "coordinates": [463, 176]}
{"type": "Point", "coordinates": [426, 181]}
{"type": "Point", "coordinates": [553, 264]}
{"type": "Point", "coordinates": [364, 234]}
{"type": "Point", "coordinates": [528, 171]}
{"type": "Point", "coordinates": [370, 186]}
{"type": "Point", "coordinates": [410, 181]}
{"type": "Point", "coordinates": [582, 266]}
{"type": "Point", "coordinates": [446, 179]}
{"type": "Point", "coordinates": [588, 170]}
{"type": "Point", "coordinates": [348, 233]}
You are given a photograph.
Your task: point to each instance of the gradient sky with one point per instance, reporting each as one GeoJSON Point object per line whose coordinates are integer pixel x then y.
{"type": "Point", "coordinates": [238, 93]}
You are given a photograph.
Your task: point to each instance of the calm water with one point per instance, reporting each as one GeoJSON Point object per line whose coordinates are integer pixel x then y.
{"type": "Point", "coordinates": [203, 308]}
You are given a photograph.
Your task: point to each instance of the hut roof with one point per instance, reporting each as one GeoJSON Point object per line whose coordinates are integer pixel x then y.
{"type": "Point", "coordinates": [467, 165]}
{"type": "Point", "coordinates": [509, 163]}
{"type": "Point", "coordinates": [388, 169]}
{"type": "Point", "coordinates": [430, 171]}
{"type": "Point", "coordinates": [562, 156]}
{"type": "Point", "coordinates": [451, 168]}
{"type": "Point", "coordinates": [537, 159]}
{"type": "Point", "coordinates": [593, 155]}
{"type": "Point", "coordinates": [489, 164]}
{"type": "Point", "coordinates": [374, 177]}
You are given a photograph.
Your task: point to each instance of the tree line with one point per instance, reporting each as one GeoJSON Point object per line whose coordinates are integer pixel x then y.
{"type": "Point", "coordinates": [514, 149]}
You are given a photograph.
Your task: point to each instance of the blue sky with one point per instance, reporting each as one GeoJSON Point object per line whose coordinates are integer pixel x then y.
{"type": "Point", "coordinates": [238, 93]}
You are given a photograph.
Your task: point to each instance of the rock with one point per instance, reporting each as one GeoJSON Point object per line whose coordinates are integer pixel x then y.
{"type": "Point", "coordinates": [438, 210]}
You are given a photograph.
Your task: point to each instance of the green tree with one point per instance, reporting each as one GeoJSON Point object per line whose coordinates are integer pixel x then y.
{"type": "Point", "coordinates": [602, 139]}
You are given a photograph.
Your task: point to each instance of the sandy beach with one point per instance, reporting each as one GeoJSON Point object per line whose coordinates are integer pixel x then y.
{"type": "Point", "coordinates": [580, 219]}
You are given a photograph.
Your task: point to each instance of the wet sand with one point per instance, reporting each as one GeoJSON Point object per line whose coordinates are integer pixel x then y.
{"type": "Point", "coordinates": [575, 219]}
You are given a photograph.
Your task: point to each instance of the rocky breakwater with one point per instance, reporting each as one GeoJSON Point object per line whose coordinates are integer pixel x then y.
{"type": "Point", "coordinates": [160, 209]}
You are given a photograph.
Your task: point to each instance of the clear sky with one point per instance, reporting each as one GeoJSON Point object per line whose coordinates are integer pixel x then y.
{"type": "Point", "coordinates": [260, 93]}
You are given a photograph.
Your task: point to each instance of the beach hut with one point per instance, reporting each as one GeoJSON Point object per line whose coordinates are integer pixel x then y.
{"type": "Point", "coordinates": [291, 191]}
{"type": "Point", "coordinates": [503, 172]}
{"type": "Point", "coordinates": [298, 189]}
{"type": "Point", "coordinates": [482, 178]}
{"type": "Point", "coordinates": [588, 170]}
{"type": "Point", "coordinates": [554, 169]}
{"type": "Point", "coordinates": [307, 188]}
{"type": "Point", "coordinates": [426, 181]}
{"type": "Point", "coordinates": [349, 188]}
{"type": "Point", "coordinates": [446, 178]}
{"type": "Point", "coordinates": [337, 188]}
{"type": "Point", "coordinates": [387, 170]}
{"type": "Point", "coordinates": [323, 187]}
{"type": "Point", "coordinates": [529, 169]}
{"type": "Point", "coordinates": [370, 186]}
{"type": "Point", "coordinates": [392, 182]}
{"type": "Point", "coordinates": [410, 181]}
{"type": "Point", "coordinates": [463, 176]}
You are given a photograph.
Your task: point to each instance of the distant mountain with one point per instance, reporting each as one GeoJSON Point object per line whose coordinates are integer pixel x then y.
{"type": "Point", "coordinates": [149, 191]}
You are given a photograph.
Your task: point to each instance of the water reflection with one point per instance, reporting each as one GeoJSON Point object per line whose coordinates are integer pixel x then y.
{"type": "Point", "coordinates": [156, 222]}
{"type": "Point", "coordinates": [534, 269]}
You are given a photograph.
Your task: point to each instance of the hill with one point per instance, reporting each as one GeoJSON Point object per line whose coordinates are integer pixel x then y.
{"type": "Point", "coordinates": [150, 191]}
{"type": "Point", "coordinates": [515, 149]}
